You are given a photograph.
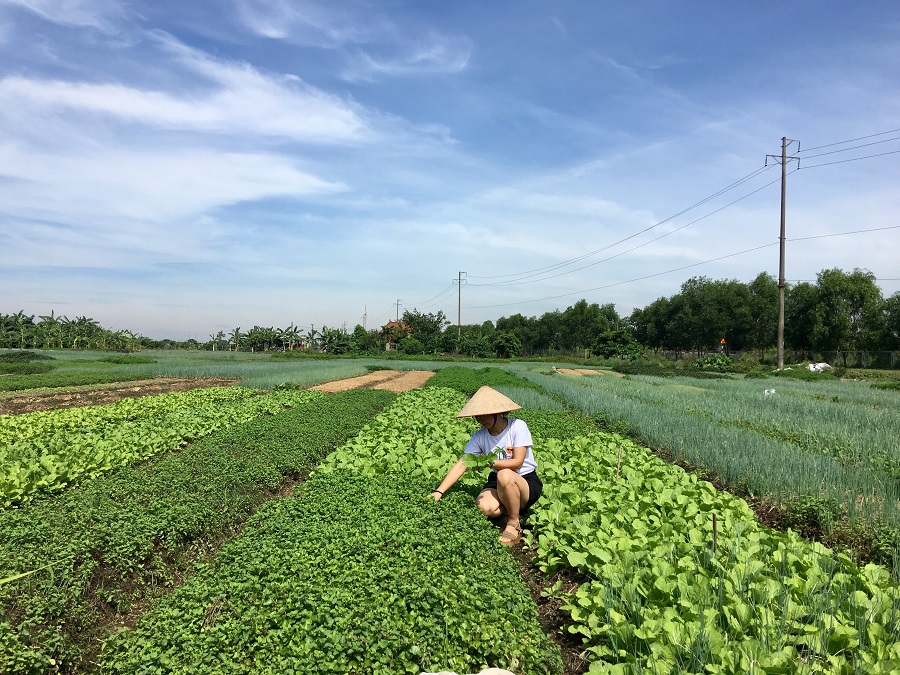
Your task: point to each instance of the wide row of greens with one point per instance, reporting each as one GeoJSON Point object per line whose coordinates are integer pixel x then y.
{"type": "Point", "coordinates": [683, 579]}
{"type": "Point", "coordinates": [832, 447]}
{"type": "Point", "coordinates": [46, 451]}
{"type": "Point", "coordinates": [102, 550]}
{"type": "Point", "coordinates": [363, 573]}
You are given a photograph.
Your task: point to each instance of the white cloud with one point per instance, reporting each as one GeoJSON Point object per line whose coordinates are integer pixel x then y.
{"type": "Point", "coordinates": [146, 184]}
{"type": "Point", "coordinates": [307, 23]}
{"type": "Point", "coordinates": [240, 100]}
{"type": "Point", "coordinates": [86, 13]}
{"type": "Point", "coordinates": [432, 54]}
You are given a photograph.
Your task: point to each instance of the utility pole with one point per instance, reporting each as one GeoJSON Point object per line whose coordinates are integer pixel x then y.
{"type": "Point", "coordinates": [398, 303]}
{"type": "Point", "coordinates": [459, 281]}
{"type": "Point", "coordinates": [365, 314]}
{"type": "Point", "coordinates": [783, 160]}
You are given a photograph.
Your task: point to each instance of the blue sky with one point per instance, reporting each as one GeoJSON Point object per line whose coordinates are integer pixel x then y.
{"type": "Point", "coordinates": [179, 168]}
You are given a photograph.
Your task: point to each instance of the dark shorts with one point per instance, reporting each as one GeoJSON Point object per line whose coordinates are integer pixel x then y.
{"type": "Point", "coordinates": [535, 486]}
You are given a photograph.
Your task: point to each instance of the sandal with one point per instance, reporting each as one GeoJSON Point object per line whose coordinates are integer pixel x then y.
{"type": "Point", "coordinates": [508, 538]}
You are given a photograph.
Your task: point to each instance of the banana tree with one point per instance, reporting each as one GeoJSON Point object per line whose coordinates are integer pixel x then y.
{"type": "Point", "coordinates": [235, 338]}
{"type": "Point", "coordinates": [311, 339]}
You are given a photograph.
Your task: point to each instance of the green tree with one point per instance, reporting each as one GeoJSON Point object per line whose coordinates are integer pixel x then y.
{"type": "Point", "coordinates": [763, 329]}
{"type": "Point", "coordinates": [848, 311]}
{"type": "Point", "coordinates": [891, 310]}
{"type": "Point", "coordinates": [426, 328]}
{"type": "Point", "coordinates": [475, 345]}
{"type": "Point", "coordinates": [410, 345]}
{"type": "Point", "coordinates": [617, 343]}
{"type": "Point", "coordinates": [235, 339]}
{"type": "Point", "coordinates": [800, 316]}
{"type": "Point", "coordinates": [581, 324]}
{"type": "Point", "coordinates": [506, 344]}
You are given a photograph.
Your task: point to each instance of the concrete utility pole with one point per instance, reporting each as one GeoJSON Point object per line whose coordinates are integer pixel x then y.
{"type": "Point", "coordinates": [365, 314]}
{"type": "Point", "coordinates": [783, 160]}
{"type": "Point", "coordinates": [398, 303]}
{"type": "Point", "coordinates": [459, 281]}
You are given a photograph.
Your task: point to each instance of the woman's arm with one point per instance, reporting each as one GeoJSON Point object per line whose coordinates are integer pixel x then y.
{"type": "Point", "coordinates": [450, 479]}
{"type": "Point", "coordinates": [515, 463]}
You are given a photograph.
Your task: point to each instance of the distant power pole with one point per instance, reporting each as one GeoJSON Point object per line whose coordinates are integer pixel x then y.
{"type": "Point", "coordinates": [459, 281]}
{"type": "Point", "coordinates": [398, 303]}
{"type": "Point", "coordinates": [365, 314]}
{"type": "Point", "coordinates": [783, 160]}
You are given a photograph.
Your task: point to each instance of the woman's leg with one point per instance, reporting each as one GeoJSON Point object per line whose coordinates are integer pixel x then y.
{"type": "Point", "coordinates": [489, 503]}
{"type": "Point", "coordinates": [512, 492]}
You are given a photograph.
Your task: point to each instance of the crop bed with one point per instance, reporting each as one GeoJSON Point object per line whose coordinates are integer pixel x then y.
{"type": "Point", "coordinates": [48, 450]}
{"type": "Point", "coordinates": [683, 579]}
{"type": "Point", "coordinates": [93, 557]}
{"type": "Point", "coordinates": [363, 573]}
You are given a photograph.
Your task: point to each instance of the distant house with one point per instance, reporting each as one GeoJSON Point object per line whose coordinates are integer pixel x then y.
{"type": "Point", "coordinates": [393, 332]}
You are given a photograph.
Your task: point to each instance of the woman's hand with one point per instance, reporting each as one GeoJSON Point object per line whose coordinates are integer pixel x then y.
{"type": "Point", "coordinates": [436, 495]}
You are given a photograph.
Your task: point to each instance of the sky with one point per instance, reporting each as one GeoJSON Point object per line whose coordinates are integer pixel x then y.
{"type": "Point", "coordinates": [181, 168]}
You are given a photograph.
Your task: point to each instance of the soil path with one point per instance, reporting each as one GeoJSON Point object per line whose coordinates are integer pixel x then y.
{"type": "Point", "coordinates": [586, 371]}
{"type": "Point", "coordinates": [392, 380]}
{"type": "Point", "coordinates": [16, 403]}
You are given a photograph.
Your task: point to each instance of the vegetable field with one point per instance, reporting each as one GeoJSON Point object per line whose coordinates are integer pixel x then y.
{"type": "Point", "coordinates": [292, 532]}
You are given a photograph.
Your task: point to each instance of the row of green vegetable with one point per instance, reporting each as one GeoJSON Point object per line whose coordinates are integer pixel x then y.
{"type": "Point", "coordinates": [48, 450]}
{"type": "Point", "coordinates": [681, 578]}
{"type": "Point", "coordinates": [363, 573]}
{"type": "Point", "coordinates": [104, 549]}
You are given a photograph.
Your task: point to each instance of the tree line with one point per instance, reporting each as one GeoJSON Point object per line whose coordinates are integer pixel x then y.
{"type": "Point", "coordinates": [840, 311]}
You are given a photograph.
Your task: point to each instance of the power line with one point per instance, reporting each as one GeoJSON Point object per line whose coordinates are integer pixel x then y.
{"type": "Point", "coordinates": [841, 234]}
{"type": "Point", "coordinates": [854, 159]}
{"type": "Point", "coordinates": [422, 304]}
{"type": "Point", "coordinates": [711, 213]}
{"type": "Point", "coordinates": [620, 283]}
{"type": "Point", "coordinates": [851, 140]}
{"type": "Point", "coordinates": [853, 147]}
{"type": "Point", "coordinates": [437, 299]}
{"type": "Point", "coordinates": [529, 273]}
{"type": "Point", "coordinates": [678, 269]}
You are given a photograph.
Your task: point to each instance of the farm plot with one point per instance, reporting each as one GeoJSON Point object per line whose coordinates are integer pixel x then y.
{"type": "Point", "coordinates": [362, 573]}
{"type": "Point", "coordinates": [93, 557]}
{"type": "Point", "coordinates": [48, 450]}
{"type": "Point", "coordinates": [809, 439]}
{"type": "Point", "coordinates": [682, 579]}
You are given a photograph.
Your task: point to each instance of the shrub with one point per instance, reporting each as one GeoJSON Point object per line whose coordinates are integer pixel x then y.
{"type": "Point", "coordinates": [746, 364]}
{"type": "Point", "coordinates": [19, 368]}
{"type": "Point", "coordinates": [718, 363]}
{"type": "Point", "coordinates": [126, 359]}
{"type": "Point", "coordinates": [410, 345]}
{"type": "Point", "coordinates": [23, 356]}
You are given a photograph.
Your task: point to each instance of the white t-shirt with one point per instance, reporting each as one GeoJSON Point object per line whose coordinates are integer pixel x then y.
{"type": "Point", "coordinates": [516, 435]}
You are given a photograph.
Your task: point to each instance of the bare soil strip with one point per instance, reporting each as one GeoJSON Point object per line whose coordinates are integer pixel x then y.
{"type": "Point", "coordinates": [392, 380]}
{"type": "Point", "coordinates": [412, 379]}
{"type": "Point", "coordinates": [586, 371]}
{"type": "Point", "coordinates": [16, 403]}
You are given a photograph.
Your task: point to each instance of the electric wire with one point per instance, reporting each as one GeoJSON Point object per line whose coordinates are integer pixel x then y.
{"type": "Point", "coordinates": [620, 283]}
{"type": "Point", "coordinates": [841, 234]}
{"type": "Point", "coordinates": [437, 300]}
{"type": "Point", "coordinates": [711, 213]}
{"type": "Point", "coordinates": [854, 147]}
{"type": "Point", "coordinates": [853, 159]}
{"type": "Point", "coordinates": [549, 268]}
{"type": "Point", "coordinates": [850, 140]}
{"type": "Point", "coordinates": [422, 304]}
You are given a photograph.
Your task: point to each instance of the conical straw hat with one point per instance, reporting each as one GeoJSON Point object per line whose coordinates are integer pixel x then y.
{"type": "Point", "coordinates": [487, 401]}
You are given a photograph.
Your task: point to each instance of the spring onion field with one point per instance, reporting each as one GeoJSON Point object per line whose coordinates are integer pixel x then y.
{"type": "Point", "coordinates": [254, 529]}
